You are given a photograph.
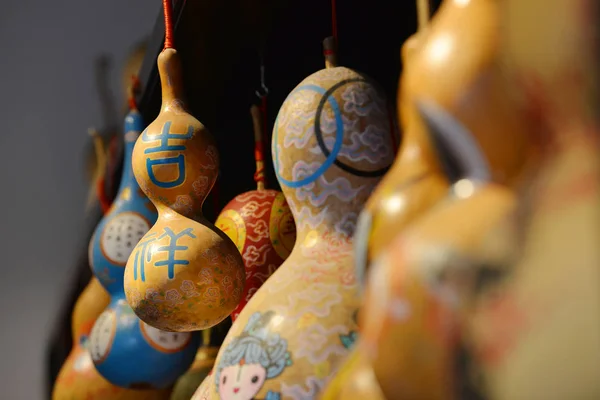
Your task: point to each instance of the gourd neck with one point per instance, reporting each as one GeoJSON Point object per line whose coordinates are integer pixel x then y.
{"type": "Point", "coordinates": [330, 52]}
{"type": "Point", "coordinates": [133, 127]}
{"type": "Point", "coordinates": [171, 80]}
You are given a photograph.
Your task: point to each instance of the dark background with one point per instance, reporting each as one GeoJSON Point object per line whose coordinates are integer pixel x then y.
{"type": "Point", "coordinates": [50, 97]}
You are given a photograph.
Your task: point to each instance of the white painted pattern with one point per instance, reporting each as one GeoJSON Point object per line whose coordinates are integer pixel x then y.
{"type": "Point", "coordinates": [120, 236]}
{"type": "Point", "coordinates": [103, 335]}
{"type": "Point", "coordinates": [166, 342]}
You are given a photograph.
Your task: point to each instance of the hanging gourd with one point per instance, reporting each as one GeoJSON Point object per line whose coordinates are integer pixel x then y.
{"type": "Point", "coordinates": [414, 183]}
{"type": "Point", "coordinates": [412, 298]}
{"type": "Point", "coordinates": [260, 223]}
{"type": "Point", "coordinates": [90, 304]}
{"type": "Point", "coordinates": [185, 274]}
{"type": "Point", "coordinates": [125, 350]}
{"type": "Point", "coordinates": [78, 378]}
{"type": "Point", "coordinates": [456, 65]}
{"type": "Point", "coordinates": [536, 335]}
{"type": "Point", "coordinates": [331, 145]}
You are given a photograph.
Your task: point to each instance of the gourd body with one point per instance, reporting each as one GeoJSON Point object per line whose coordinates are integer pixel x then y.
{"type": "Point", "coordinates": [416, 294]}
{"type": "Point", "coordinates": [547, 316]}
{"type": "Point", "coordinates": [457, 65]}
{"type": "Point", "coordinates": [125, 350]}
{"type": "Point", "coordinates": [261, 225]}
{"type": "Point", "coordinates": [78, 378]}
{"type": "Point", "coordinates": [331, 145]}
{"type": "Point", "coordinates": [188, 275]}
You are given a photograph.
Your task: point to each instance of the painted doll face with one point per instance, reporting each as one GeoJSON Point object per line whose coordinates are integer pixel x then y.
{"type": "Point", "coordinates": [241, 382]}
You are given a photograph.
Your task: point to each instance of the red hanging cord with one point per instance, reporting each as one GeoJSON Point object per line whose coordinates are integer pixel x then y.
{"type": "Point", "coordinates": [334, 27]}
{"type": "Point", "coordinates": [105, 203]}
{"type": "Point", "coordinates": [135, 85]}
{"type": "Point", "coordinates": [259, 175]}
{"type": "Point", "coordinates": [259, 122]}
{"type": "Point", "coordinates": [168, 12]}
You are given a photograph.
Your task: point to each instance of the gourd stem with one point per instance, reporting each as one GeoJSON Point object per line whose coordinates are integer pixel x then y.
{"type": "Point", "coordinates": [423, 14]}
{"type": "Point", "coordinates": [206, 337]}
{"type": "Point", "coordinates": [168, 12]}
{"type": "Point", "coordinates": [330, 52]}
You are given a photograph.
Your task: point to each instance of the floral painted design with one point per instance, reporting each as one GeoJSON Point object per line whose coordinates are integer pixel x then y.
{"type": "Point", "coordinates": [189, 289]}
{"type": "Point", "coordinates": [200, 187]}
{"type": "Point", "coordinates": [173, 297]}
{"type": "Point", "coordinates": [206, 277]}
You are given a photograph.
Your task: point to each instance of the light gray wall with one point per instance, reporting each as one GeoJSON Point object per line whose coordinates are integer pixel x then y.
{"type": "Point", "coordinates": [48, 99]}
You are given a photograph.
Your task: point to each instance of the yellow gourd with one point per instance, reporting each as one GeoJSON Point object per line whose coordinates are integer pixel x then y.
{"type": "Point", "coordinates": [185, 275]}
{"type": "Point", "coordinates": [331, 144]}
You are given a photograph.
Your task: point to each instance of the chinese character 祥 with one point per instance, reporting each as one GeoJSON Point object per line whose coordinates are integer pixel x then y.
{"type": "Point", "coordinates": [171, 248]}
{"type": "Point", "coordinates": [163, 146]}
{"type": "Point", "coordinates": [141, 253]}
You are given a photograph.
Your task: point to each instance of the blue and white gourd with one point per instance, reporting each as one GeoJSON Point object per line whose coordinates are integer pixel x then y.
{"type": "Point", "coordinates": [125, 350]}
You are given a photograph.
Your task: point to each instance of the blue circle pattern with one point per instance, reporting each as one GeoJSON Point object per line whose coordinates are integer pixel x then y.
{"type": "Point", "coordinates": [339, 139]}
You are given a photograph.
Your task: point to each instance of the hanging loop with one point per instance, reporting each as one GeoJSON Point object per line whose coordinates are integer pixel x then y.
{"type": "Point", "coordinates": [264, 90]}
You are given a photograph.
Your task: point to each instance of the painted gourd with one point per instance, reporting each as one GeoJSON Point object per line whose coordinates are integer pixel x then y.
{"type": "Point", "coordinates": [454, 62]}
{"type": "Point", "coordinates": [414, 183]}
{"type": "Point", "coordinates": [78, 378]}
{"type": "Point", "coordinates": [125, 350]}
{"type": "Point", "coordinates": [261, 225]}
{"type": "Point", "coordinates": [203, 364]}
{"type": "Point", "coordinates": [458, 67]}
{"type": "Point", "coordinates": [537, 336]}
{"type": "Point", "coordinates": [331, 145]}
{"type": "Point", "coordinates": [403, 194]}
{"type": "Point", "coordinates": [186, 275]}
{"type": "Point", "coordinates": [411, 304]}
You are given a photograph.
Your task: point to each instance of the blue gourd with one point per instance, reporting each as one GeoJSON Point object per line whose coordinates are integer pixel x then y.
{"type": "Point", "coordinates": [125, 350]}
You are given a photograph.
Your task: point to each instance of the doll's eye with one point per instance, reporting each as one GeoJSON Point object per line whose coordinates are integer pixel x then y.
{"type": "Point", "coordinates": [254, 379]}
